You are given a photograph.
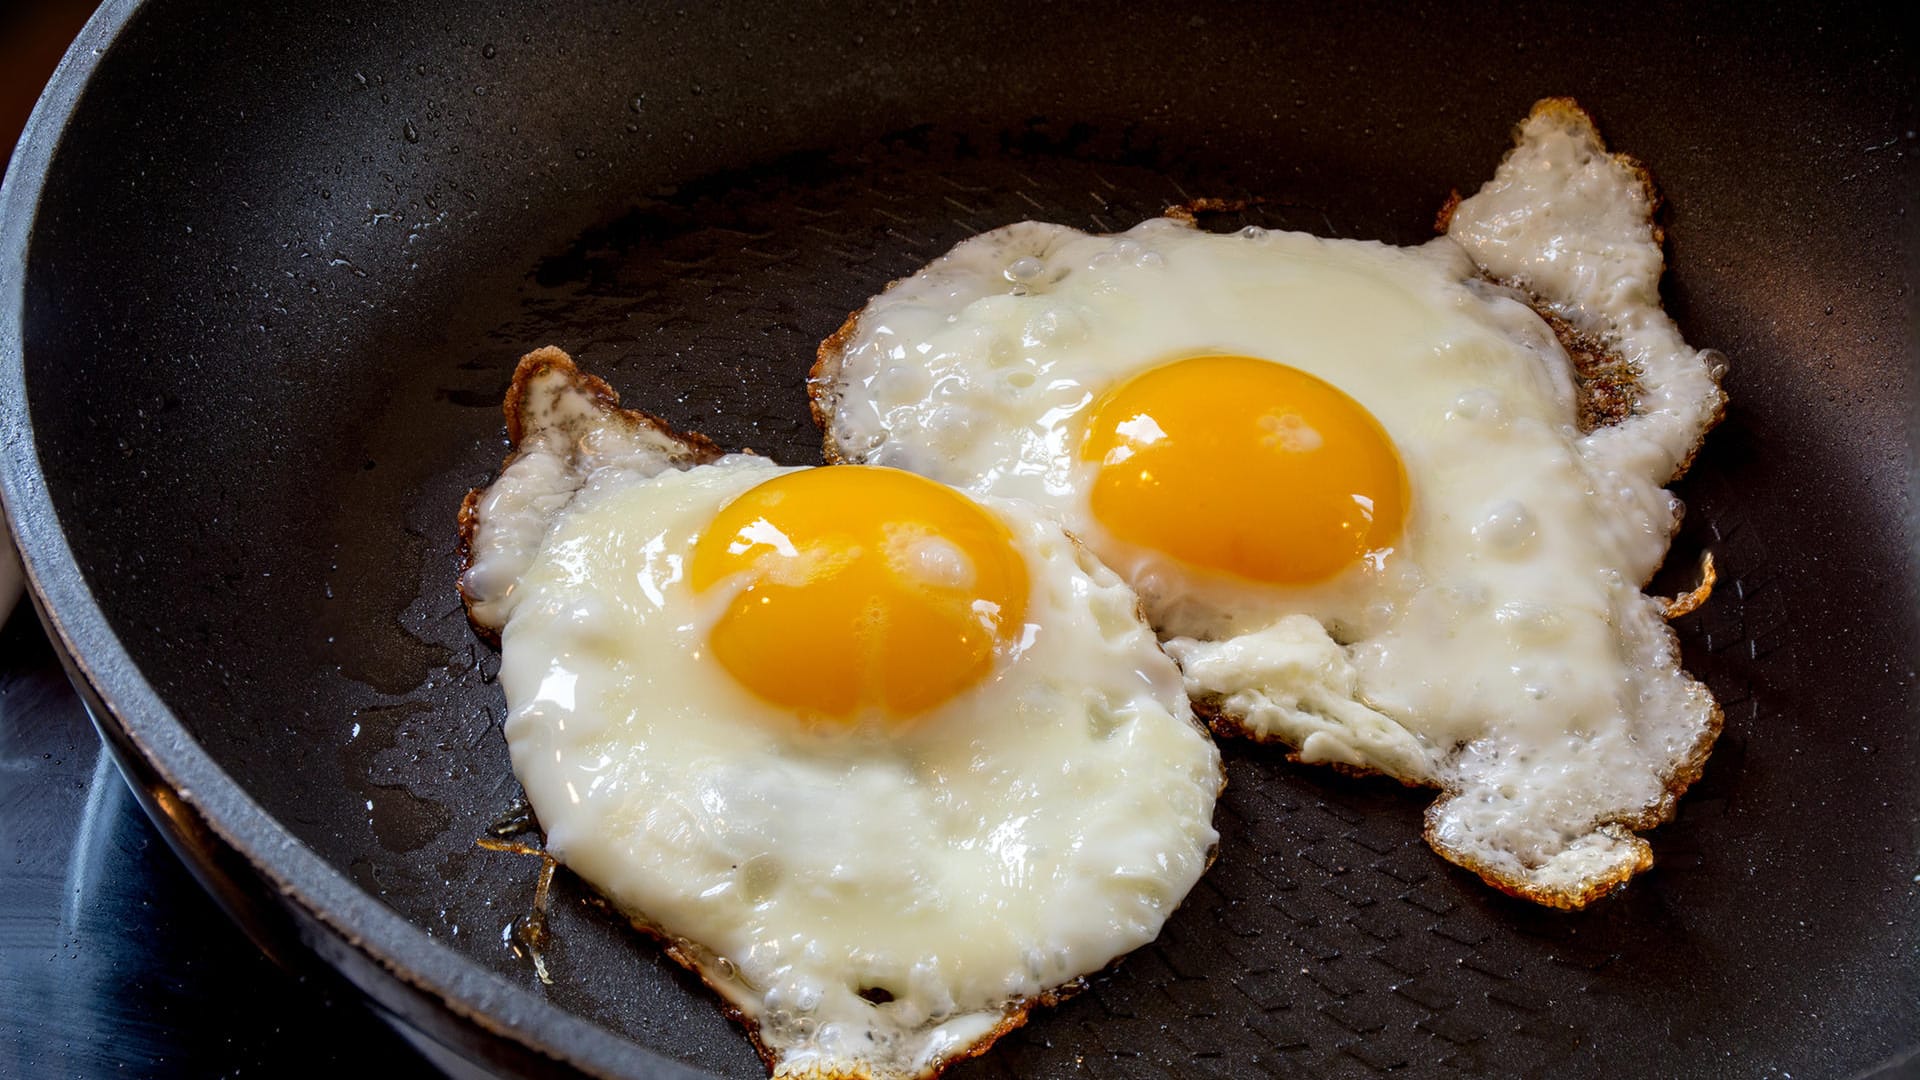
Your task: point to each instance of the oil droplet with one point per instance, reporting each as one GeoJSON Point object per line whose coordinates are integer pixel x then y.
{"type": "Point", "coordinates": [408, 130]}
{"type": "Point", "coordinates": [488, 51]}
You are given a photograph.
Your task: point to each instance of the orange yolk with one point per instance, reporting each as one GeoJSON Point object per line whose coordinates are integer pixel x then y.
{"type": "Point", "coordinates": [860, 591]}
{"type": "Point", "coordinates": [1244, 467]}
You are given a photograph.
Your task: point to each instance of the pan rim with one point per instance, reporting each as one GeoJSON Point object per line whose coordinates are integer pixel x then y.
{"type": "Point", "coordinates": [16, 433]}
{"type": "Point", "coordinates": [58, 588]}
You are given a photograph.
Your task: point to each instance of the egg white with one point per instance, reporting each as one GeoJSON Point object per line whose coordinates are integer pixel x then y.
{"type": "Point", "coordinates": [996, 849]}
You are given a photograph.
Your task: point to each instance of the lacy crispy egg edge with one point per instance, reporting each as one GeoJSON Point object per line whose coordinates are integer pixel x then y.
{"type": "Point", "coordinates": [1609, 390]}
{"type": "Point", "coordinates": [1612, 390]}
{"type": "Point", "coordinates": [542, 381]}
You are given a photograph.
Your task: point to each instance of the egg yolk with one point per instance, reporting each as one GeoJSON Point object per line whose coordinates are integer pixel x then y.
{"type": "Point", "coordinates": [1245, 467]}
{"type": "Point", "coordinates": [859, 591]}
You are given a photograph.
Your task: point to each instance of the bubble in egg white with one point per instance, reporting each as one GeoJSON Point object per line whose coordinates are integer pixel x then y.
{"type": "Point", "coordinates": [1508, 529]}
{"type": "Point", "coordinates": [1479, 407]}
{"type": "Point", "coordinates": [1025, 269]}
{"type": "Point", "coordinates": [1530, 623]}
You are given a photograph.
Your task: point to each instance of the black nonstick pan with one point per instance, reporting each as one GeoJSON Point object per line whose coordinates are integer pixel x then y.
{"type": "Point", "coordinates": [265, 269]}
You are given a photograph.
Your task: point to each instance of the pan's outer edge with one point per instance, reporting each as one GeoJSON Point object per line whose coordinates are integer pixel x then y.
{"type": "Point", "coordinates": [301, 879]}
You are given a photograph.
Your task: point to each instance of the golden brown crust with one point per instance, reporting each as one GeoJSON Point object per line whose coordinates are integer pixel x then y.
{"type": "Point", "coordinates": [1689, 602]}
{"type": "Point", "coordinates": [1607, 385]}
{"type": "Point", "coordinates": [1686, 460]}
{"type": "Point", "coordinates": [469, 522]}
{"type": "Point", "coordinates": [1680, 775]}
{"type": "Point", "coordinates": [550, 358]}
{"type": "Point", "coordinates": [823, 381]}
{"type": "Point", "coordinates": [1188, 213]}
{"type": "Point", "coordinates": [695, 446]}
{"type": "Point", "coordinates": [1675, 782]}
{"type": "Point", "coordinates": [1683, 774]}
{"type": "Point", "coordinates": [1558, 899]}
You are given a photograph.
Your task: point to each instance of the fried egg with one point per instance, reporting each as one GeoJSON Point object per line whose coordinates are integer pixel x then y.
{"type": "Point", "coordinates": [885, 764]}
{"type": "Point", "coordinates": [1351, 481]}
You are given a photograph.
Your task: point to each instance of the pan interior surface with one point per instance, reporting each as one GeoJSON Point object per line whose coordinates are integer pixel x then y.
{"type": "Point", "coordinates": [287, 256]}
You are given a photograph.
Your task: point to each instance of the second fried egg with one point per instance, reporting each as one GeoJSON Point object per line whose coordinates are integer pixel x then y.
{"type": "Point", "coordinates": [1350, 483]}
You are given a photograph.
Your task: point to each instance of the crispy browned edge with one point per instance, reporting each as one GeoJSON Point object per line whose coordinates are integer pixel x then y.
{"type": "Point", "coordinates": [697, 447]}
{"type": "Point", "coordinates": [1690, 601]}
{"type": "Point", "coordinates": [823, 381]}
{"type": "Point", "coordinates": [1608, 394]}
{"type": "Point", "coordinates": [1608, 389]}
{"type": "Point", "coordinates": [1188, 213]}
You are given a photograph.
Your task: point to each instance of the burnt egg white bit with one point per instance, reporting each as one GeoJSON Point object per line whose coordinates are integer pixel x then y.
{"type": "Point", "coordinates": [1375, 507]}
{"type": "Point", "coordinates": [885, 764]}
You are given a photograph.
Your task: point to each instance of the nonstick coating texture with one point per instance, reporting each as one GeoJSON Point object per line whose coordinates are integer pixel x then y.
{"type": "Point", "coordinates": [289, 253]}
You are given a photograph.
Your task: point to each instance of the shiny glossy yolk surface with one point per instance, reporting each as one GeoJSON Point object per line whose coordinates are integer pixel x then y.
{"type": "Point", "coordinates": [1245, 467]}
{"type": "Point", "coordinates": [856, 591]}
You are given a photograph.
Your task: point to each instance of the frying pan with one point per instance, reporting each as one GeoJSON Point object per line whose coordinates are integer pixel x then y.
{"type": "Point", "coordinates": [264, 270]}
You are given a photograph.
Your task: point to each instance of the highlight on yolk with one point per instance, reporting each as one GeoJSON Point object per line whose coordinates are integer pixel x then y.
{"type": "Point", "coordinates": [861, 590]}
{"type": "Point", "coordinates": [1245, 467]}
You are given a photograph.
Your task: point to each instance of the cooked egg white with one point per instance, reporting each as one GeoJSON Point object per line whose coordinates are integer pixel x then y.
{"type": "Point", "coordinates": [1349, 482]}
{"type": "Point", "coordinates": [886, 765]}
